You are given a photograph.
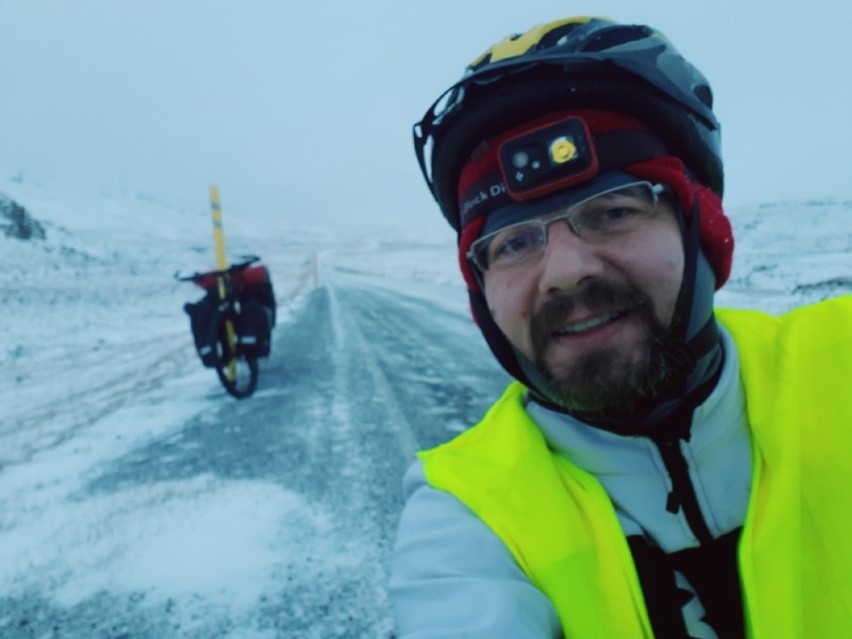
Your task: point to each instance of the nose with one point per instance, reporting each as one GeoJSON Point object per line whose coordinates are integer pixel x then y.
{"type": "Point", "coordinates": [569, 261]}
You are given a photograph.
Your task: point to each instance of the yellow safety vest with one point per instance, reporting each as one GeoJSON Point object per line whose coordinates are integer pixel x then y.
{"type": "Point", "coordinates": [795, 551]}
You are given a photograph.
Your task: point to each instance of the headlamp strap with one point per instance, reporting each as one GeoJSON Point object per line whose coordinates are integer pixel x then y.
{"type": "Point", "coordinates": [622, 148]}
{"type": "Point", "coordinates": [614, 150]}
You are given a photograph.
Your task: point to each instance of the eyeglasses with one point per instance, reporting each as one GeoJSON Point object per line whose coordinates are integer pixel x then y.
{"type": "Point", "coordinates": [598, 219]}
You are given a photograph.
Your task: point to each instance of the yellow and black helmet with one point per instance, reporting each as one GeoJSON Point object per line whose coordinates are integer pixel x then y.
{"type": "Point", "coordinates": [575, 63]}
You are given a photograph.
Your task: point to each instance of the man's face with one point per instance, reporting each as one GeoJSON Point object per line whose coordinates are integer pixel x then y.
{"type": "Point", "coordinates": [593, 317]}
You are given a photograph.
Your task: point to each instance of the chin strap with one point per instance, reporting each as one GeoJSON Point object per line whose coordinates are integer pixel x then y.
{"type": "Point", "coordinates": [685, 356]}
{"type": "Point", "coordinates": [691, 230]}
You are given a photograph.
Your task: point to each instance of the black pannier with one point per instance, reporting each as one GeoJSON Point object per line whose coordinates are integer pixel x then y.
{"type": "Point", "coordinates": [255, 327]}
{"type": "Point", "coordinates": [200, 318]}
{"type": "Point", "coordinates": [255, 283]}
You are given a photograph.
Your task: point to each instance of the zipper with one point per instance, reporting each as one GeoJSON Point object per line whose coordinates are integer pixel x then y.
{"type": "Point", "coordinates": [682, 494]}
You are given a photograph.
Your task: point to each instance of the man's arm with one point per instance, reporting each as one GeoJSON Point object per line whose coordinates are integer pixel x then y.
{"type": "Point", "coordinates": [453, 577]}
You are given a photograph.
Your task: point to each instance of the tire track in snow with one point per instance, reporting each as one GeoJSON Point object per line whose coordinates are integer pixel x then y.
{"type": "Point", "coordinates": [350, 334]}
{"type": "Point", "coordinates": [435, 361]}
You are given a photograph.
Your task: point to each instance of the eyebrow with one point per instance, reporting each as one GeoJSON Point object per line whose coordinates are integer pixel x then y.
{"type": "Point", "coordinates": [633, 190]}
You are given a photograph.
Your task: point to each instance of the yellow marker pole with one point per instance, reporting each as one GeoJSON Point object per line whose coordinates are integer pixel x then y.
{"type": "Point", "coordinates": [221, 265]}
{"type": "Point", "coordinates": [218, 236]}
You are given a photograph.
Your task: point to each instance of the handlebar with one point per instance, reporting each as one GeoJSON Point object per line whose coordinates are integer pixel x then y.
{"type": "Point", "coordinates": [198, 277]}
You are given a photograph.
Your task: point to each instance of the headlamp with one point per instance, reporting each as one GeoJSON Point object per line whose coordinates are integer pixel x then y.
{"type": "Point", "coordinates": [547, 159]}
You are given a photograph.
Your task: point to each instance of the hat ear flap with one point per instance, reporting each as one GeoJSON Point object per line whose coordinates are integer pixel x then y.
{"type": "Point", "coordinates": [717, 237]}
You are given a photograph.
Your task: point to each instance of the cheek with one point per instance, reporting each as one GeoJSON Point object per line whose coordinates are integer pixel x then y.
{"type": "Point", "coordinates": [671, 268]}
{"type": "Point", "coordinates": [655, 265]}
{"type": "Point", "coordinates": [510, 305]}
{"type": "Point", "coordinates": [673, 261]}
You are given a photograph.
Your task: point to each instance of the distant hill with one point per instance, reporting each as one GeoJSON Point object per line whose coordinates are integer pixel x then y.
{"type": "Point", "coordinates": [15, 221]}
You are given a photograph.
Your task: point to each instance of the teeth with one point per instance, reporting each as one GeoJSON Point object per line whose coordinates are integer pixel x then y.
{"type": "Point", "coordinates": [588, 324]}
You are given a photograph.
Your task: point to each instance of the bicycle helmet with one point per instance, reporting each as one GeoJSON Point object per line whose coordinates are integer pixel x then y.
{"type": "Point", "coordinates": [626, 80]}
{"type": "Point", "coordinates": [577, 63]}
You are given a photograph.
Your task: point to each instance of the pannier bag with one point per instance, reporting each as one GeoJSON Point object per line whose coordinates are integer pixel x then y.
{"type": "Point", "coordinates": [200, 318]}
{"type": "Point", "coordinates": [255, 283]}
{"type": "Point", "coordinates": [255, 328]}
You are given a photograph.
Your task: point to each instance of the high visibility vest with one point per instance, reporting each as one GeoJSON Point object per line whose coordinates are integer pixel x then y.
{"type": "Point", "coordinates": [795, 551]}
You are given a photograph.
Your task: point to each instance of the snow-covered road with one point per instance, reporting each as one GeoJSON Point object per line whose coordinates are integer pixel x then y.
{"type": "Point", "coordinates": [271, 517]}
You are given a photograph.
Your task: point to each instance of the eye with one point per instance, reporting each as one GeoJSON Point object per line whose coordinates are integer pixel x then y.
{"type": "Point", "coordinates": [514, 243]}
{"type": "Point", "coordinates": [614, 216]}
{"type": "Point", "coordinates": [619, 213]}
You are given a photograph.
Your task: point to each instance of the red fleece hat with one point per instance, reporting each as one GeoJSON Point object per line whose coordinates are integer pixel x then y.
{"type": "Point", "coordinates": [657, 166]}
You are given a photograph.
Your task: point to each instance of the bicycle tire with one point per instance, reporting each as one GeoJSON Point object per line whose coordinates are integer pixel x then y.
{"type": "Point", "coordinates": [237, 373]}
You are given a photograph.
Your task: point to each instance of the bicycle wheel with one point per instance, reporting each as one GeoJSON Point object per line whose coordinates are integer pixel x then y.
{"type": "Point", "coordinates": [237, 372]}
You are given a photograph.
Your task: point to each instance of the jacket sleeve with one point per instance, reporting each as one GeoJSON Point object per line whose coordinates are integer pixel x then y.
{"type": "Point", "coordinates": [452, 577]}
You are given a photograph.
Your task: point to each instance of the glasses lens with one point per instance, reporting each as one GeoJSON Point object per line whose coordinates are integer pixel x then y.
{"type": "Point", "coordinates": [620, 211]}
{"type": "Point", "coordinates": [510, 246]}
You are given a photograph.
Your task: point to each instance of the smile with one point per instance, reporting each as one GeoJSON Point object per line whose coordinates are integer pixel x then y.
{"type": "Point", "coordinates": [590, 324]}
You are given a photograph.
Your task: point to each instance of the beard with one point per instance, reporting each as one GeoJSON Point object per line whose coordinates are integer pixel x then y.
{"type": "Point", "coordinates": [604, 382]}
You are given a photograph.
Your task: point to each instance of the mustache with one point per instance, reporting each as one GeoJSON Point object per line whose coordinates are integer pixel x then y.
{"type": "Point", "coordinates": [596, 297]}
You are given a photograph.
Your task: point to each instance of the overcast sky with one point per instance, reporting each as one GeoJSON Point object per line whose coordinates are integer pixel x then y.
{"type": "Point", "coordinates": [303, 110]}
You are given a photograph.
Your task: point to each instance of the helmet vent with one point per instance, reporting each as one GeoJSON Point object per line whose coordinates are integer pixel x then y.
{"type": "Point", "coordinates": [559, 36]}
{"type": "Point", "coordinates": [617, 35]}
{"type": "Point", "coordinates": [703, 93]}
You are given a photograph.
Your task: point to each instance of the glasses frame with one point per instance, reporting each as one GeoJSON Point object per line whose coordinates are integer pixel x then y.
{"type": "Point", "coordinates": [472, 254]}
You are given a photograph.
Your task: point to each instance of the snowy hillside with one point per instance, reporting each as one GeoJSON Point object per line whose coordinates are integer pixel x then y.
{"type": "Point", "coordinates": [790, 253]}
{"type": "Point", "coordinates": [137, 499]}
